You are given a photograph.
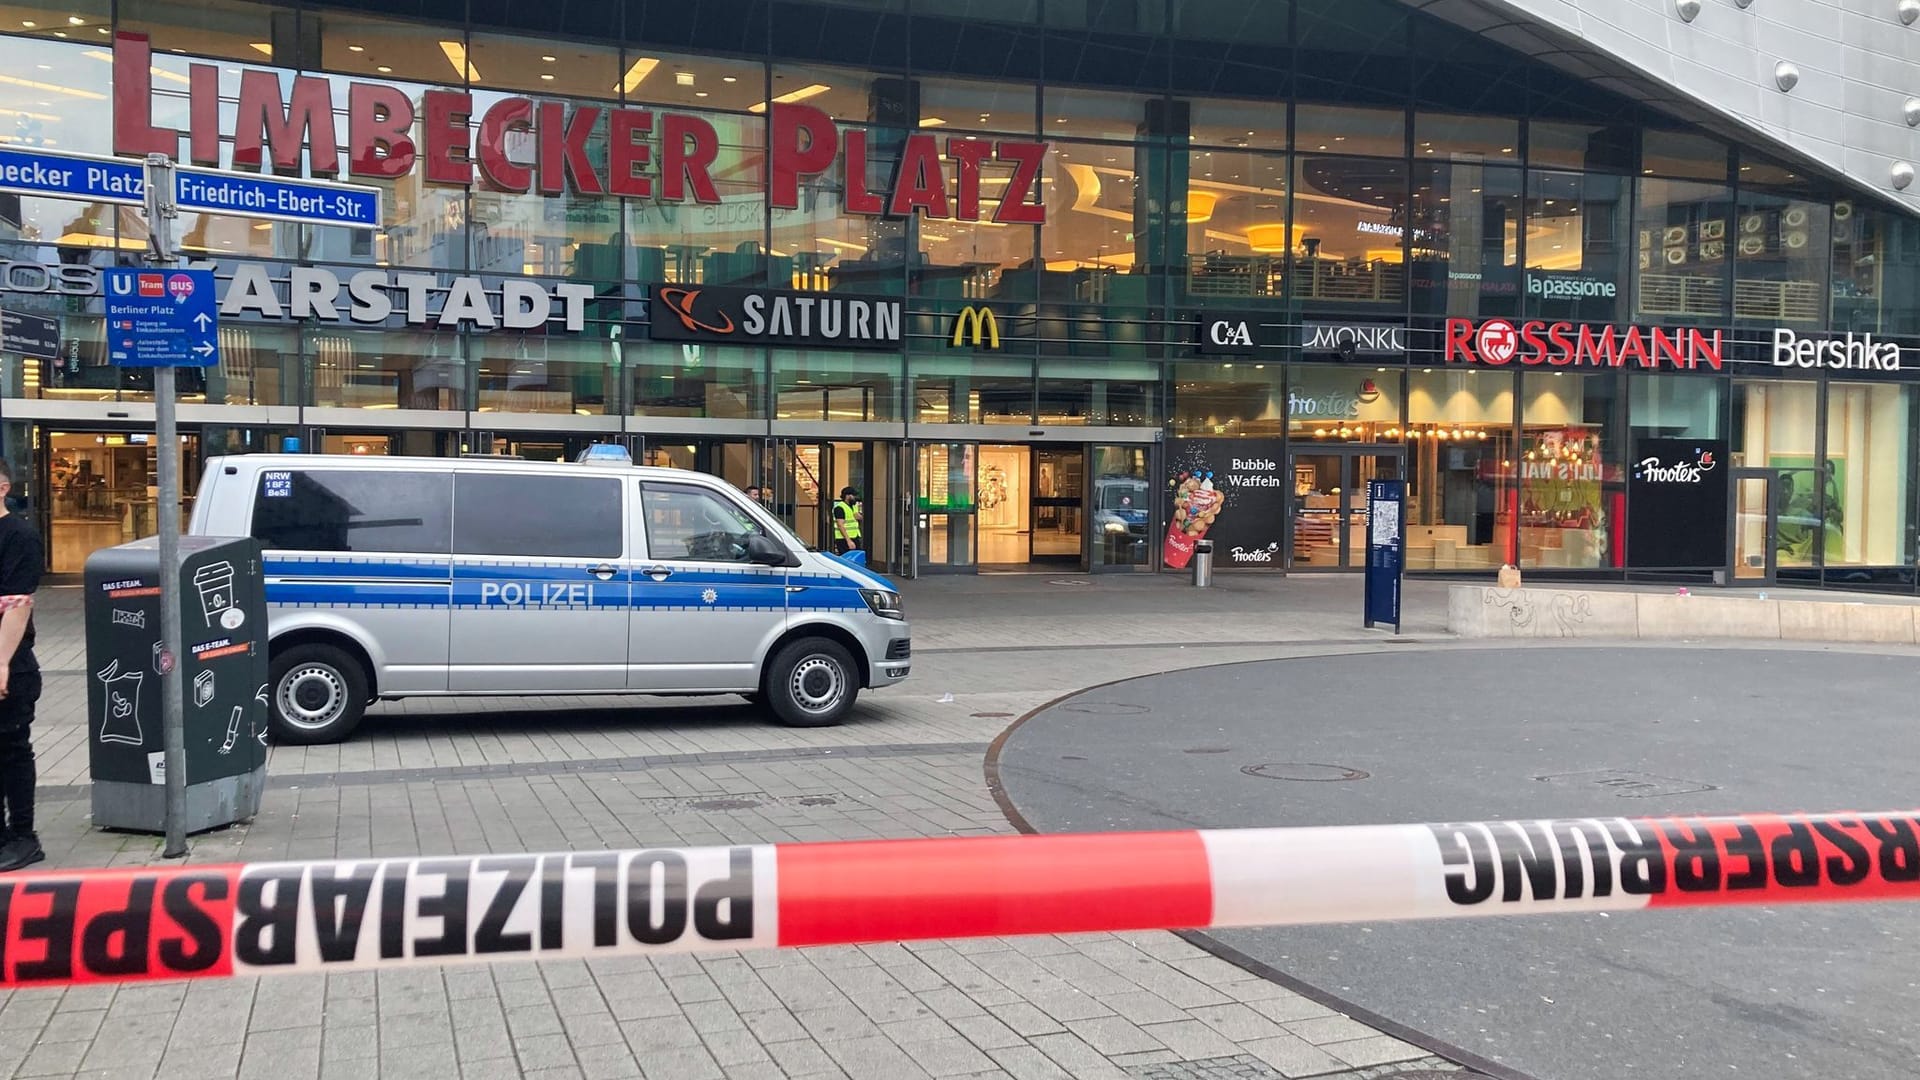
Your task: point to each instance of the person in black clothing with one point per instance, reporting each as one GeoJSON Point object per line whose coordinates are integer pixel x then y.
{"type": "Point", "coordinates": [21, 558]}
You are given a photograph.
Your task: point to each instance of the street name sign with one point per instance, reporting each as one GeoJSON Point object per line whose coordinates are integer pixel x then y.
{"type": "Point", "coordinates": [59, 175]}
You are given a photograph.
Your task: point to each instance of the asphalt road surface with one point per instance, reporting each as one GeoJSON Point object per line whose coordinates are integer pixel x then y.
{"type": "Point", "coordinates": [1462, 735]}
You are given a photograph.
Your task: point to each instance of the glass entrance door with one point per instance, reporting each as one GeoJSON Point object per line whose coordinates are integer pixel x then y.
{"type": "Point", "coordinates": [1059, 486]}
{"type": "Point", "coordinates": [1122, 509]}
{"type": "Point", "coordinates": [809, 476]}
{"type": "Point", "coordinates": [1754, 524]}
{"type": "Point", "coordinates": [1329, 515]}
{"type": "Point", "coordinates": [944, 506]}
{"type": "Point", "coordinates": [103, 488]}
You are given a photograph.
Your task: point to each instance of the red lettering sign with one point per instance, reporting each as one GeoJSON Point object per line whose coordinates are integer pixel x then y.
{"type": "Point", "coordinates": [275, 128]}
{"type": "Point", "coordinates": [1497, 342]}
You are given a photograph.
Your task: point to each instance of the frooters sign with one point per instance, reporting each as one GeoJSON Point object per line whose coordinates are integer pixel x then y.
{"type": "Point", "coordinates": [1677, 504]}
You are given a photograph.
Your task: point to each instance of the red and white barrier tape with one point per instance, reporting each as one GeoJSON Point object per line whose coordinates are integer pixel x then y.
{"type": "Point", "coordinates": [262, 918]}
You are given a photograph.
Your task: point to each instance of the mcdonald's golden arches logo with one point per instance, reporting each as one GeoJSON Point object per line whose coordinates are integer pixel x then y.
{"type": "Point", "coordinates": [977, 321]}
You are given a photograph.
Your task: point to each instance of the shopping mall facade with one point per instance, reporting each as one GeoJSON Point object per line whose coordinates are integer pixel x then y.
{"type": "Point", "coordinates": [1047, 280]}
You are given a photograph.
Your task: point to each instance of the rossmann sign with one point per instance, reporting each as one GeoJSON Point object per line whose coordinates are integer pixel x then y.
{"type": "Point", "coordinates": [664, 156]}
{"type": "Point", "coordinates": [1565, 344]}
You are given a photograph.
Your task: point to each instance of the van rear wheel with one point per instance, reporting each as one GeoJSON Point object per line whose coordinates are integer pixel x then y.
{"type": "Point", "coordinates": [811, 683]}
{"type": "Point", "coordinates": [319, 694]}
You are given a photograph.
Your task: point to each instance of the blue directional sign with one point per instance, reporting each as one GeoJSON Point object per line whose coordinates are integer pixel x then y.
{"type": "Point", "coordinates": [311, 202]}
{"type": "Point", "coordinates": [58, 175]}
{"type": "Point", "coordinates": [72, 176]}
{"type": "Point", "coordinates": [161, 318]}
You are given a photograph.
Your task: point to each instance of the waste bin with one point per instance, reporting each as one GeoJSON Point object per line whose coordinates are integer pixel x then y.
{"type": "Point", "coordinates": [1202, 563]}
{"type": "Point", "coordinates": [223, 666]}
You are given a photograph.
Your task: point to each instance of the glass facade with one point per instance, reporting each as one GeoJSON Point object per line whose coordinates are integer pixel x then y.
{"type": "Point", "coordinates": [1304, 161]}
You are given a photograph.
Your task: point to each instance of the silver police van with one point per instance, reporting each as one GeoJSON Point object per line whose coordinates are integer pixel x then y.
{"type": "Point", "coordinates": [397, 577]}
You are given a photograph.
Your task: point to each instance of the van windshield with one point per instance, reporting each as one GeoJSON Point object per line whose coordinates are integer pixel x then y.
{"type": "Point", "coordinates": [1126, 494]}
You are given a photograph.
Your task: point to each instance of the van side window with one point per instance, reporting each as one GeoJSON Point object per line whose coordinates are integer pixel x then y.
{"type": "Point", "coordinates": [692, 523]}
{"type": "Point", "coordinates": [348, 510]}
{"type": "Point", "coordinates": [537, 516]}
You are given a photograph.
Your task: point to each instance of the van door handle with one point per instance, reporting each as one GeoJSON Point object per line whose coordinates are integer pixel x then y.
{"type": "Point", "coordinates": [657, 573]}
{"type": "Point", "coordinates": [603, 572]}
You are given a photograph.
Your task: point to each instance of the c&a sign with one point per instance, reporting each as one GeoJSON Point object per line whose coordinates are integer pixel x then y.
{"type": "Point", "coordinates": [664, 156]}
{"type": "Point", "coordinates": [1233, 332]}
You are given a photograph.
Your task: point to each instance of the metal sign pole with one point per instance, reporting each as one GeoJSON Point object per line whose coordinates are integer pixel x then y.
{"type": "Point", "coordinates": [160, 215]}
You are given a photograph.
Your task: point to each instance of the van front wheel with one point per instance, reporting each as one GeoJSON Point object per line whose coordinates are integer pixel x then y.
{"type": "Point", "coordinates": [811, 683]}
{"type": "Point", "coordinates": [319, 695]}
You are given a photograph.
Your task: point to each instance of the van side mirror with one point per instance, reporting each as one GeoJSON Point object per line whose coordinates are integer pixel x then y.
{"type": "Point", "coordinates": [763, 550]}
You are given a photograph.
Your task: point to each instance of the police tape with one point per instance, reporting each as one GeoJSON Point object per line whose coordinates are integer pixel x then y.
{"type": "Point", "coordinates": [263, 918]}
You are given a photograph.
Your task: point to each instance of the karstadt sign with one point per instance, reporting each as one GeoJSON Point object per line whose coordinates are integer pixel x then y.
{"type": "Point", "coordinates": [367, 297]}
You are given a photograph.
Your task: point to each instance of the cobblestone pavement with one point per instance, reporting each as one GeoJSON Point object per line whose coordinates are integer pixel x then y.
{"type": "Point", "coordinates": [499, 776]}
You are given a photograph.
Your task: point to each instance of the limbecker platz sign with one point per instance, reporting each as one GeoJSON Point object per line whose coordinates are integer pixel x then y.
{"type": "Point", "coordinates": [665, 156]}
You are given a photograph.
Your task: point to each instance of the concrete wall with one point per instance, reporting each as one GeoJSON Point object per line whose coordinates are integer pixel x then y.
{"type": "Point", "coordinates": [1858, 66]}
{"type": "Point", "coordinates": [1482, 611]}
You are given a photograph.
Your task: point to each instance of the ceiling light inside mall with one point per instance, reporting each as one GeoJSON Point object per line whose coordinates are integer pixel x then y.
{"type": "Point", "coordinates": [728, 79]}
{"type": "Point", "coordinates": [457, 56]}
{"type": "Point", "coordinates": [699, 93]}
{"type": "Point", "coordinates": [384, 69]}
{"type": "Point", "coordinates": [637, 73]}
{"type": "Point", "coordinates": [931, 121]}
{"type": "Point", "coordinates": [1200, 206]}
{"type": "Point", "coordinates": [71, 91]}
{"type": "Point", "coordinates": [548, 59]}
{"type": "Point", "coordinates": [75, 20]}
{"type": "Point", "coordinates": [28, 23]}
{"type": "Point", "coordinates": [683, 78]}
{"type": "Point", "coordinates": [263, 48]}
{"type": "Point", "coordinates": [791, 96]}
{"type": "Point", "coordinates": [547, 75]}
{"type": "Point", "coordinates": [356, 48]}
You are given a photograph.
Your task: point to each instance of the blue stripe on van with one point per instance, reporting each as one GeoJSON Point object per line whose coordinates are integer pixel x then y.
{"type": "Point", "coordinates": [543, 586]}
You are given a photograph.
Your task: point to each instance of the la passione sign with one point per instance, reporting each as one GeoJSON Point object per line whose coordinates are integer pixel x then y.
{"type": "Point", "coordinates": [664, 156]}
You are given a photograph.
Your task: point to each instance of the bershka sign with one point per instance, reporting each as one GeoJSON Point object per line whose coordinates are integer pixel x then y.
{"type": "Point", "coordinates": [728, 316]}
{"type": "Point", "coordinates": [1232, 333]}
{"type": "Point", "coordinates": [1354, 339]}
{"type": "Point", "coordinates": [1849, 353]}
{"type": "Point", "coordinates": [666, 157]}
{"type": "Point", "coordinates": [1565, 344]}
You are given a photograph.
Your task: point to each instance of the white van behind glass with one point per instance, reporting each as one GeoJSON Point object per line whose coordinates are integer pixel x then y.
{"type": "Point", "coordinates": [398, 577]}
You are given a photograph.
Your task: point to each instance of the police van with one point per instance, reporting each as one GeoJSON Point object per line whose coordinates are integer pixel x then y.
{"type": "Point", "coordinates": [398, 577]}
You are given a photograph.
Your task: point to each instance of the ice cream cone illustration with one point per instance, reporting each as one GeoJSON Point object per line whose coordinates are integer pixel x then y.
{"type": "Point", "coordinates": [1196, 505]}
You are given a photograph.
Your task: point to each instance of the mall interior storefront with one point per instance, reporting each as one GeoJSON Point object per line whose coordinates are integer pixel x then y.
{"type": "Point", "coordinates": [1307, 161]}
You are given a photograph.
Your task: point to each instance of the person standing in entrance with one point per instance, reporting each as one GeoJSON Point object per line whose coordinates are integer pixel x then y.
{"type": "Point", "coordinates": [21, 559]}
{"type": "Point", "coordinates": [846, 522]}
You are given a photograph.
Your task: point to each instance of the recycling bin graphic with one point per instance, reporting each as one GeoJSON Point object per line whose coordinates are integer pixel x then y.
{"type": "Point", "coordinates": [222, 664]}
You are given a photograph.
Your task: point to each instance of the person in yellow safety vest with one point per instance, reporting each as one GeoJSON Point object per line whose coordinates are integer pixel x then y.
{"type": "Point", "coordinates": [846, 522]}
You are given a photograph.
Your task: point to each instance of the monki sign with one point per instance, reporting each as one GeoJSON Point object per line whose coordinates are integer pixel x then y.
{"type": "Point", "coordinates": [453, 145]}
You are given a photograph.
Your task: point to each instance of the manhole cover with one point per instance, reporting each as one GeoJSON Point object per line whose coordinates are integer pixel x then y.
{"type": "Point", "coordinates": [1207, 750]}
{"type": "Point", "coordinates": [1067, 581]}
{"type": "Point", "coordinates": [1105, 708]}
{"type": "Point", "coordinates": [990, 715]}
{"type": "Point", "coordinates": [1307, 771]}
{"type": "Point", "coordinates": [723, 804]}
